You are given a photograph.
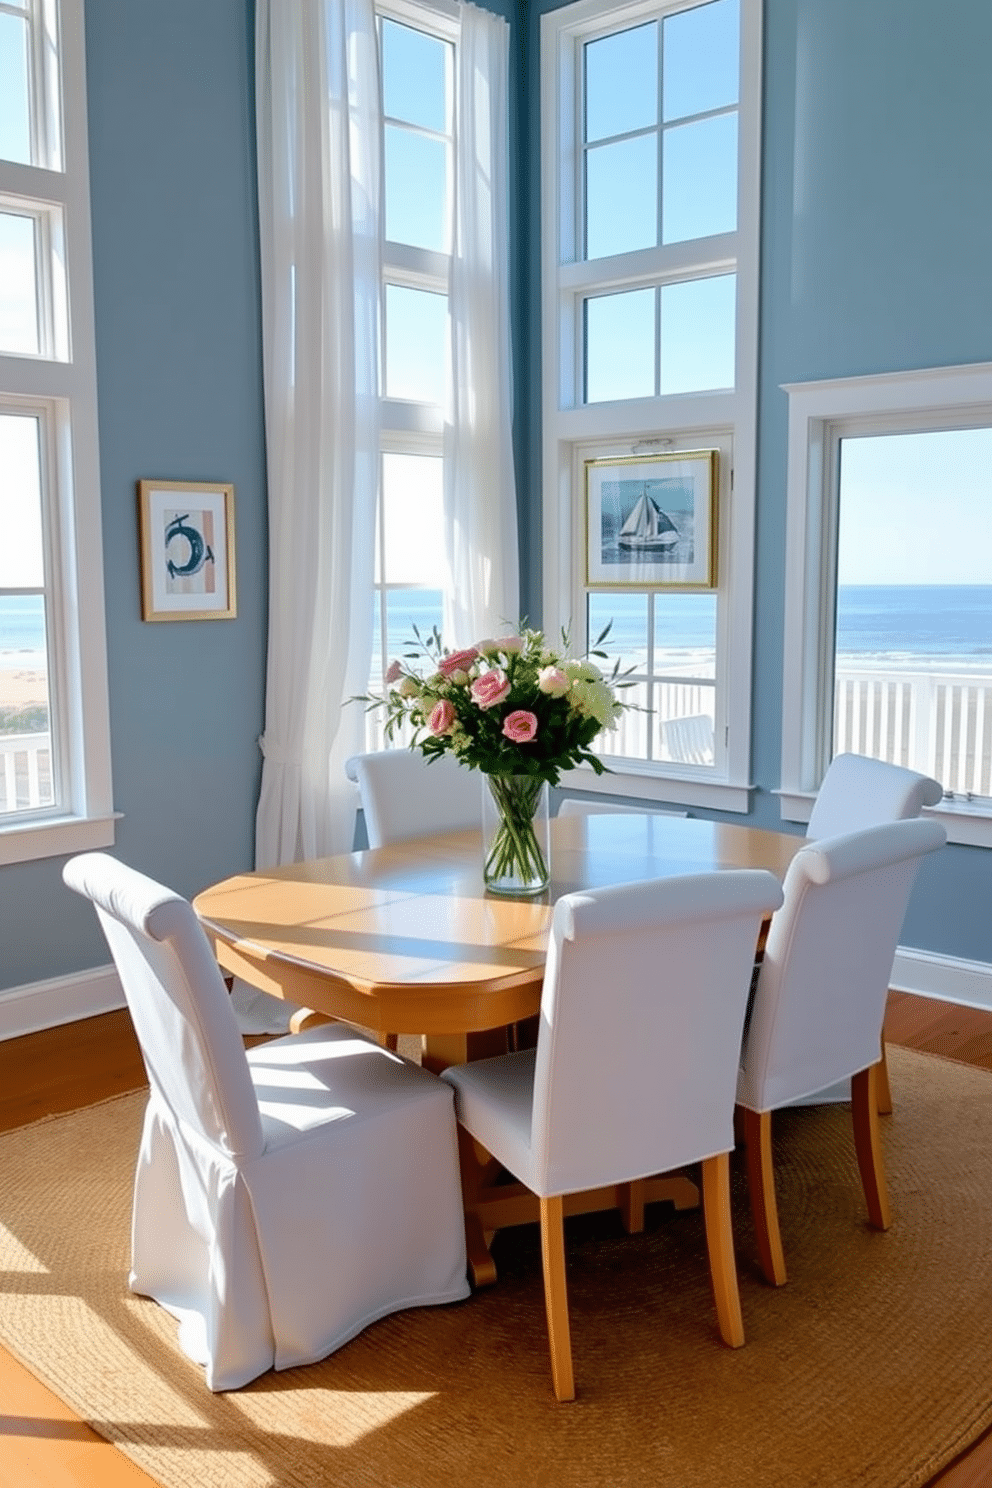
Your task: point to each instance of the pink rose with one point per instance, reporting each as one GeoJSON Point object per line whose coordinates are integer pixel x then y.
{"type": "Point", "coordinates": [458, 661]}
{"type": "Point", "coordinates": [442, 717]}
{"type": "Point", "coordinates": [394, 673]}
{"type": "Point", "coordinates": [491, 688]}
{"type": "Point", "coordinates": [520, 727]}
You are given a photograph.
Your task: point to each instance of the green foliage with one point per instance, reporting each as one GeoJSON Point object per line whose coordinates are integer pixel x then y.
{"type": "Point", "coordinates": [31, 718]}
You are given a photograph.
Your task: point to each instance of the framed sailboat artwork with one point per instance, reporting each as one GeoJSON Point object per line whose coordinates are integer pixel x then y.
{"type": "Point", "coordinates": [651, 521]}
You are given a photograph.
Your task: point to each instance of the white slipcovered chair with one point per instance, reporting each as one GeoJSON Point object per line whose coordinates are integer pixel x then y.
{"type": "Point", "coordinates": [285, 1199]}
{"type": "Point", "coordinates": [820, 1000]}
{"type": "Point", "coordinates": [859, 792]}
{"type": "Point", "coordinates": [634, 1072]}
{"type": "Point", "coordinates": [405, 795]}
{"type": "Point", "coordinates": [579, 806]}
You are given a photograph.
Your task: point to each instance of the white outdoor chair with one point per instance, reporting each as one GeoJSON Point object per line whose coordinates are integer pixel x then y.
{"type": "Point", "coordinates": [859, 792]}
{"type": "Point", "coordinates": [820, 1000]}
{"type": "Point", "coordinates": [689, 740]}
{"type": "Point", "coordinates": [642, 1011]}
{"type": "Point", "coordinates": [405, 795]}
{"type": "Point", "coordinates": [578, 806]}
{"type": "Point", "coordinates": [285, 1199]}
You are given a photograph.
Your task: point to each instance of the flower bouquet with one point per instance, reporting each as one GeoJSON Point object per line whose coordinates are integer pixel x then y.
{"type": "Point", "coordinates": [519, 712]}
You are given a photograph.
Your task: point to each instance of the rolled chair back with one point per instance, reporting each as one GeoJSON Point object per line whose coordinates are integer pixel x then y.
{"type": "Point", "coordinates": [822, 988]}
{"type": "Point", "coordinates": [859, 792]}
{"type": "Point", "coordinates": [641, 1017]}
{"type": "Point", "coordinates": [180, 1007]}
{"type": "Point", "coordinates": [405, 795]}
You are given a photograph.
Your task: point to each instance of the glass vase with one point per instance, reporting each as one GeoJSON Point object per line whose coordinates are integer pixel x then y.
{"type": "Point", "coordinates": [516, 841]}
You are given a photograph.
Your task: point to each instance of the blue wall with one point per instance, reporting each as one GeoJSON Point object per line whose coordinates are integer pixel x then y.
{"type": "Point", "coordinates": [175, 251]}
{"type": "Point", "coordinates": [876, 256]}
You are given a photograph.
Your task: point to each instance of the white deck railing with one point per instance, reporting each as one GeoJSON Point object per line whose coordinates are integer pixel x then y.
{"type": "Point", "coordinates": [25, 772]}
{"type": "Point", "coordinates": [939, 723]}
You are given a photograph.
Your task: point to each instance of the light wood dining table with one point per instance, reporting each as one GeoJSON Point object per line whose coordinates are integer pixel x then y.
{"type": "Point", "coordinates": [405, 939]}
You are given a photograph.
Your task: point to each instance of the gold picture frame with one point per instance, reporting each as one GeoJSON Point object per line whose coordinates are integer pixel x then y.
{"type": "Point", "coordinates": [651, 521]}
{"type": "Point", "coordinates": [187, 550]}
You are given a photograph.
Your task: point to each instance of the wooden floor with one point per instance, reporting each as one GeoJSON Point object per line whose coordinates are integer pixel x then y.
{"type": "Point", "coordinates": [43, 1445]}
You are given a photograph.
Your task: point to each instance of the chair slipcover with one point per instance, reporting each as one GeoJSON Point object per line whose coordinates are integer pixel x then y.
{"type": "Point", "coordinates": [823, 983]}
{"type": "Point", "coordinates": [859, 792]}
{"type": "Point", "coordinates": [405, 795]}
{"type": "Point", "coordinates": [820, 1000]}
{"type": "Point", "coordinates": [642, 1011]}
{"type": "Point", "coordinates": [285, 1199]}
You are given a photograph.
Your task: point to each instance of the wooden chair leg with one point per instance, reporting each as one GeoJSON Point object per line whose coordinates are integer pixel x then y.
{"type": "Point", "coordinates": [720, 1244]}
{"type": "Point", "coordinates": [761, 1183]}
{"type": "Point", "coordinates": [632, 1205]}
{"type": "Point", "coordinates": [864, 1110]}
{"type": "Point", "coordinates": [482, 1267]}
{"type": "Point", "coordinates": [556, 1296]}
{"type": "Point", "coordinates": [883, 1086]}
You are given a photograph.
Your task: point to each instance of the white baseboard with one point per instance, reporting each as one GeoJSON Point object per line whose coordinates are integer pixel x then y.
{"type": "Point", "coordinates": [948, 978]}
{"type": "Point", "coordinates": [39, 1005]}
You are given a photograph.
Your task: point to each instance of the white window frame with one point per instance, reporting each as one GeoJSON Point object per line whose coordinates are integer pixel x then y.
{"type": "Point", "coordinates": [574, 432]}
{"type": "Point", "coordinates": [408, 427]}
{"type": "Point", "coordinates": [820, 414]}
{"type": "Point", "coordinates": [60, 385]}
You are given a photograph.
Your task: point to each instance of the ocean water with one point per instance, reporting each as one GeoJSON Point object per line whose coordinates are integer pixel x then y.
{"type": "Point", "coordinates": [886, 627]}
{"type": "Point", "coordinates": [22, 633]}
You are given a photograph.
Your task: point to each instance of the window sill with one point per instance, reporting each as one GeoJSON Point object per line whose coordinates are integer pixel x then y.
{"type": "Point", "coordinates": [964, 821]}
{"type": "Point", "coordinates": [24, 842]}
{"type": "Point", "coordinates": [679, 788]}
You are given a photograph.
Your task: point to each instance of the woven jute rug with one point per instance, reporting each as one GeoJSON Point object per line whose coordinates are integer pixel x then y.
{"type": "Point", "coordinates": [872, 1366]}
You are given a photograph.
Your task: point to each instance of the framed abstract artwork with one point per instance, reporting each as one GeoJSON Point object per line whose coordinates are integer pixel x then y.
{"type": "Point", "coordinates": [187, 550]}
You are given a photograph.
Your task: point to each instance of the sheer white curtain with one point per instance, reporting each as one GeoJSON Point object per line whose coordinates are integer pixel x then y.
{"type": "Point", "coordinates": [479, 488]}
{"type": "Point", "coordinates": [318, 130]}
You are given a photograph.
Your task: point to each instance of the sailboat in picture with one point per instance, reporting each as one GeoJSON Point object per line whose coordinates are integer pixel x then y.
{"type": "Point", "coordinates": [647, 528]}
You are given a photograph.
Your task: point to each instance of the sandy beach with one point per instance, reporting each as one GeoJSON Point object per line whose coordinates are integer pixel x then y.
{"type": "Point", "coordinates": [19, 688]}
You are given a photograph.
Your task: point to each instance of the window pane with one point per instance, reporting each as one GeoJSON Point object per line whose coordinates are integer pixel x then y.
{"type": "Point", "coordinates": [415, 76]}
{"type": "Point", "coordinates": [15, 110]}
{"type": "Point", "coordinates": [416, 189]}
{"type": "Point", "coordinates": [622, 196]}
{"type": "Point", "coordinates": [685, 635]}
{"type": "Point", "coordinates": [413, 513]}
{"type": "Point", "coordinates": [18, 284]}
{"type": "Point", "coordinates": [21, 550]}
{"type": "Point", "coordinates": [622, 82]}
{"type": "Point", "coordinates": [627, 641]}
{"type": "Point", "coordinates": [700, 179]}
{"type": "Point", "coordinates": [406, 608]}
{"type": "Point", "coordinates": [25, 734]}
{"type": "Point", "coordinates": [631, 739]}
{"type": "Point", "coordinates": [697, 334]}
{"type": "Point", "coordinates": [913, 670]}
{"type": "Point", "coordinates": [620, 340]}
{"type": "Point", "coordinates": [701, 67]}
{"type": "Point", "coordinates": [416, 344]}
{"type": "Point", "coordinates": [26, 781]}
{"type": "Point", "coordinates": [683, 723]}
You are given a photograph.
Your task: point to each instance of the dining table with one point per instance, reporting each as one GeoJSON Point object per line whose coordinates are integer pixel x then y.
{"type": "Point", "coordinates": [406, 939]}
